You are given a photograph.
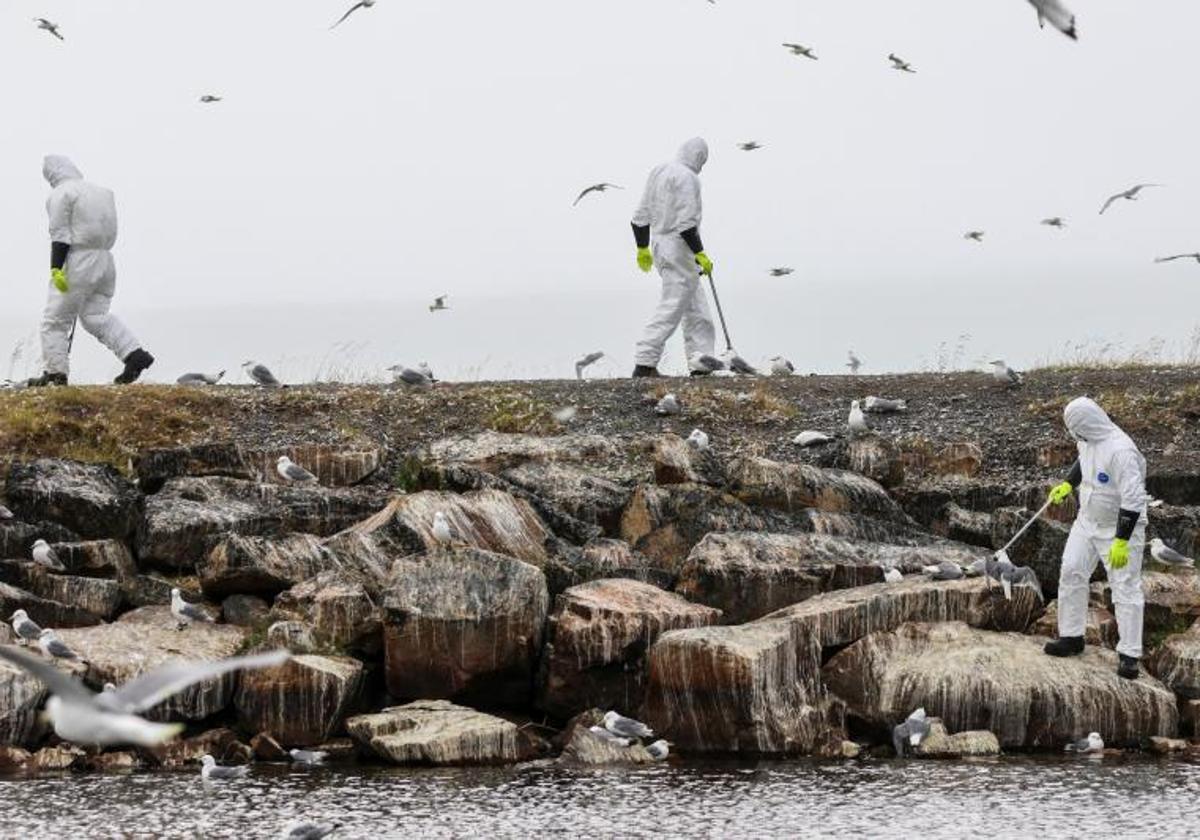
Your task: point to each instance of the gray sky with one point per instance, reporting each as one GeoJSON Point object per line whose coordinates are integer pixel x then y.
{"type": "Point", "coordinates": [428, 147]}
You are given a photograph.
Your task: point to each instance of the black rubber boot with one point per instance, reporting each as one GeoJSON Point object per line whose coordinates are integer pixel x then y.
{"type": "Point", "coordinates": [1128, 667]}
{"type": "Point", "coordinates": [644, 371]}
{"type": "Point", "coordinates": [135, 363]}
{"type": "Point", "coordinates": [1067, 646]}
{"type": "Point", "coordinates": [47, 378]}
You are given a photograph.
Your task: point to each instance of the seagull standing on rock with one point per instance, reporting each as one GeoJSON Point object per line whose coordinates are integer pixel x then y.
{"type": "Point", "coordinates": [1003, 374]}
{"type": "Point", "coordinates": [1168, 556]}
{"type": "Point", "coordinates": [698, 440]}
{"type": "Point", "coordinates": [626, 727]}
{"type": "Point", "coordinates": [893, 576]}
{"type": "Point", "coordinates": [668, 406]}
{"type": "Point", "coordinates": [442, 533]}
{"type": "Point", "coordinates": [27, 629]}
{"type": "Point", "coordinates": [1093, 743]}
{"type": "Point", "coordinates": [413, 377]}
{"type": "Point", "coordinates": [186, 613]}
{"type": "Point", "coordinates": [54, 647]}
{"type": "Point", "coordinates": [292, 472]}
{"type": "Point", "coordinates": [200, 378]}
{"type": "Point", "coordinates": [781, 366]}
{"type": "Point", "coordinates": [857, 421]}
{"type": "Point", "coordinates": [260, 374]}
{"type": "Point", "coordinates": [911, 732]}
{"type": "Point", "coordinates": [44, 555]}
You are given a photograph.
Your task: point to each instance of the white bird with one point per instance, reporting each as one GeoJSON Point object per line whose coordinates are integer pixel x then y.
{"type": "Point", "coordinates": [413, 377]}
{"type": "Point", "coordinates": [781, 366]}
{"type": "Point", "coordinates": [893, 576]}
{"type": "Point", "coordinates": [1168, 556]}
{"type": "Point", "coordinates": [5, 514]}
{"type": "Point", "coordinates": [26, 628]}
{"type": "Point", "coordinates": [944, 571]}
{"type": "Point", "coordinates": [1003, 374]}
{"type": "Point", "coordinates": [857, 421]}
{"type": "Point", "coordinates": [626, 727]}
{"type": "Point", "coordinates": [911, 732]}
{"type": "Point", "coordinates": [1130, 194]}
{"type": "Point", "coordinates": [1195, 257]}
{"type": "Point", "coordinates": [659, 750]}
{"type": "Point", "coordinates": [855, 363]}
{"type": "Point", "coordinates": [1093, 743]}
{"type": "Point", "coordinates": [1060, 16]}
{"type": "Point", "coordinates": [810, 438]}
{"type": "Point", "coordinates": [1020, 576]}
{"type": "Point", "coordinates": [565, 414]}
{"type": "Point", "coordinates": [439, 304]}
{"type": "Point", "coordinates": [54, 647]}
{"type": "Point", "coordinates": [260, 374]}
{"type": "Point", "coordinates": [597, 188]}
{"type": "Point", "coordinates": [200, 378]}
{"type": "Point", "coordinates": [882, 405]}
{"type": "Point", "coordinates": [361, 4]}
{"type": "Point", "coordinates": [605, 735]}
{"type": "Point", "coordinates": [52, 28]}
{"type": "Point", "coordinates": [800, 49]}
{"type": "Point", "coordinates": [186, 613]}
{"type": "Point", "coordinates": [208, 99]}
{"type": "Point", "coordinates": [706, 363]}
{"type": "Point", "coordinates": [586, 362]}
{"type": "Point", "coordinates": [308, 756]}
{"type": "Point", "coordinates": [290, 471]}
{"type": "Point", "coordinates": [1055, 222]}
{"type": "Point", "coordinates": [210, 770]}
{"type": "Point", "coordinates": [309, 831]}
{"type": "Point", "coordinates": [668, 405]}
{"type": "Point", "coordinates": [44, 555]}
{"type": "Point", "coordinates": [900, 64]}
{"type": "Point", "coordinates": [441, 528]}
{"type": "Point", "coordinates": [780, 271]}
{"type": "Point", "coordinates": [81, 716]}
{"type": "Point", "coordinates": [698, 440]}
{"type": "Point", "coordinates": [750, 146]}
{"type": "Point", "coordinates": [974, 235]}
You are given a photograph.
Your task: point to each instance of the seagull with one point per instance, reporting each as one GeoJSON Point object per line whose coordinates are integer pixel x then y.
{"type": "Point", "coordinates": [586, 362]}
{"type": "Point", "coordinates": [208, 99]}
{"type": "Point", "coordinates": [800, 49]}
{"type": "Point", "coordinates": [308, 756]}
{"type": "Point", "coordinates": [1093, 743]}
{"type": "Point", "coordinates": [913, 731]}
{"type": "Point", "coordinates": [659, 750]}
{"type": "Point", "coordinates": [900, 64]}
{"type": "Point", "coordinates": [1020, 576]}
{"type": "Point", "coordinates": [200, 378]}
{"type": "Point", "coordinates": [706, 363]}
{"type": "Point", "coordinates": [974, 235]}
{"type": "Point", "coordinates": [893, 576]}
{"type": "Point", "coordinates": [425, 370]}
{"type": "Point", "coordinates": [25, 627]}
{"type": "Point", "coordinates": [309, 831]}
{"type": "Point", "coordinates": [1055, 222]}
{"type": "Point", "coordinates": [260, 374]}
{"type": "Point", "coordinates": [698, 440]}
{"type": "Point", "coordinates": [1003, 374]}
{"type": "Point", "coordinates": [44, 555]}
{"type": "Point", "coordinates": [603, 734]}
{"type": "Point", "coordinates": [565, 414]}
{"type": "Point", "coordinates": [410, 376]}
{"type": "Point", "coordinates": [780, 271]}
{"type": "Point", "coordinates": [439, 304]}
{"type": "Point", "coordinates": [881, 405]}
{"type": "Point", "coordinates": [290, 471]}
{"type": "Point", "coordinates": [857, 421]}
{"type": "Point", "coordinates": [668, 405]}
{"type": "Point", "coordinates": [739, 365]}
{"type": "Point", "coordinates": [1168, 556]}
{"type": "Point", "coordinates": [750, 146]}
{"type": "Point", "coordinates": [944, 571]}
{"type": "Point", "coordinates": [441, 528]}
{"type": "Point", "coordinates": [811, 438]}
{"type": "Point", "coordinates": [781, 366]}
{"type": "Point", "coordinates": [5, 514]}
{"type": "Point", "coordinates": [1195, 257]}
{"type": "Point", "coordinates": [52, 28]}
{"type": "Point", "coordinates": [598, 188]}
{"type": "Point", "coordinates": [626, 727]}
{"type": "Point", "coordinates": [361, 4]}
{"type": "Point", "coordinates": [54, 647]}
{"type": "Point", "coordinates": [210, 770]}
{"type": "Point", "coordinates": [1130, 194]}
{"type": "Point", "coordinates": [186, 613]}
{"type": "Point", "coordinates": [855, 363]}
{"type": "Point", "coordinates": [81, 716]}
{"type": "Point", "coordinates": [1060, 16]}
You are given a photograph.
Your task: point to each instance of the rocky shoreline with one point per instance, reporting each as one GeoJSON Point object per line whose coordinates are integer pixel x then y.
{"type": "Point", "coordinates": [732, 598]}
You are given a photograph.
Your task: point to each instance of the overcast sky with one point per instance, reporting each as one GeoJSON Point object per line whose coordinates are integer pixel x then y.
{"type": "Point", "coordinates": [427, 146]}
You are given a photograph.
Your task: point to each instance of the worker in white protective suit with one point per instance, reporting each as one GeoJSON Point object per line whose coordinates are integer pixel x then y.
{"type": "Point", "coordinates": [671, 211]}
{"type": "Point", "coordinates": [83, 230]}
{"type": "Point", "coordinates": [1110, 528]}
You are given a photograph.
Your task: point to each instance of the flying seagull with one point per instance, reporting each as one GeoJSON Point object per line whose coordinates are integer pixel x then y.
{"type": "Point", "coordinates": [1093, 743]}
{"type": "Point", "coordinates": [599, 188]}
{"type": "Point", "coordinates": [439, 303]}
{"type": "Point", "coordinates": [586, 362]}
{"type": "Point", "coordinates": [1168, 556]}
{"type": "Point", "coordinates": [200, 378]}
{"type": "Point", "coordinates": [186, 613]}
{"type": "Point", "coordinates": [1055, 222]}
{"type": "Point", "coordinates": [44, 555]}
{"type": "Point", "coordinates": [781, 366]}
{"type": "Point", "coordinates": [1195, 257]}
{"type": "Point", "coordinates": [900, 64]}
{"type": "Point", "coordinates": [1060, 16]}
{"type": "Point", "coordinates": [1130, 194]}
{"type": "Point", "coordinates": [698, 440]}
{"type": "Point", "coordinates": [25, 627]}
{"type": "Point", "coordinates": [308, 756]}
{"type": "Point", "coordinates": [210, 770]}
{"type": "Point", "coordinates": [208, 99]}
{"type": "Point", "coordinates": [309, 831]}
{"type": "Point", "coordinates": [750, 146]}
{"type": "Point", "coordinates": [82, 716]}
{"type": "Point", "coordinates": [911, 732]}
{"type": "Point", "coordinates": [52, 28]}
{"type": "Point", "coordinates": [260, 374]}
{"type": "Point", "coordinates": [974, 235]}
{"type": "Point", "coordinates": [855, 363]}
{"type": "Point", "coordinates": [782, 271]}
{"type": "Point", "coordinates": [54, 647]}
{"type": "Point", "coordinates": [361, 4]}
{"type": "Point", "coordinates": [626, 727]}
{"type": "Point", "coordinates": [1003, 374]}
{"type": "Point", "coordinates": [800, 49]}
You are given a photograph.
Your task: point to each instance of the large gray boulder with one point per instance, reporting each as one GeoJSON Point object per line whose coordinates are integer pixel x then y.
{"type": "Point", "coordinates": [497, 451]}
{"type": "Point", "coordinates": [1001, 682]}
{"type": "Point", "coordinates": [94, 501]}
{"type": "Point", "coordinates": [572, 565]}
{"type": "Point", "coordinates": [301, 703]}
{"type": "Point", "coordinates": [583, 494]}
{"type": "Point", "coordinates": [439, 733]}
{"type": "Point", "coordinates": [339, 609]}
{"type": "Point", "coordinates": [98, 597]}
{"type": "Point", "coordinates": [44, 611]}
{"type": "Point", "coordinates": [1177, 663]}
{"type": "Point", "coordinates": [262, 565]}
{"type": "Point", "coordinates": [792, 487]}
{"type": "Point", "coordinates": [17, 537]}
{"type": "Point", "coordinates": [676, 462]}
{"type": "Point", "coordinates": [334, 466]}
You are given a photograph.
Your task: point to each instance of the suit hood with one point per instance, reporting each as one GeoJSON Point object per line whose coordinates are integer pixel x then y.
{"type": "Point", "coordinates": [57, 169]}
{"type": "Point", "coordinates": [693, 154]}
{"type": "Point", "coordinates": [1086, 421]}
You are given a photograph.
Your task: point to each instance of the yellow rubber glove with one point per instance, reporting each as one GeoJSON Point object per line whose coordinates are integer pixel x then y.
{"type": "Point", "coordinates": [1060, 493]}
{"type": "Point", "coordinates": [706, 265]}
{"type": "Point", "coordinates": [645, 259]}
{"type": "Point", "coordinates": [1118, 555]}
{"type": "Point", "coordinates": [59, 278]}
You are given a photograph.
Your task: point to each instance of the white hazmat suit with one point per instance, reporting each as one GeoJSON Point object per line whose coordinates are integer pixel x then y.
{"type": "Point", "coordinates": [1112, 479]}
{"type": "Point", "coordinates": [670, 206]}
{"type": "Point", "coordinates": [83, 216]}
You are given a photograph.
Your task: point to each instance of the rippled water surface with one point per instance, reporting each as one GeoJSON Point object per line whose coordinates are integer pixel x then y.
{"type": "Point", "coordinates": [1011, 797]}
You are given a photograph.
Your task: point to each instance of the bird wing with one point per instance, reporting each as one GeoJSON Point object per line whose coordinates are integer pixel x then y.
{"type": "Point", "coordinates": [1171, 555]}
{"type": "Point", "coordinates": [60, 684]}
{"type": "Point", "coordinates": [1176, 257]}
{"type": "Point", "coordinates": [1108, 203]}
{"type": "Point", "coordinates": [582, 194]}
{"type": "Point", "coordinates": [153, 687]}
{"type": "Point", "coordinates": [351, 11]}
{"type": "Point", "coordinates": [59, 648]}
{"type": "Point", "coordinates": [1060, 17]}
{"type": "Point", "coordinates": [193, 611]}
{"type": "Point", "coordinates": [297, 473]}
{"type": "Point", "coordinates": [262, 375]}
